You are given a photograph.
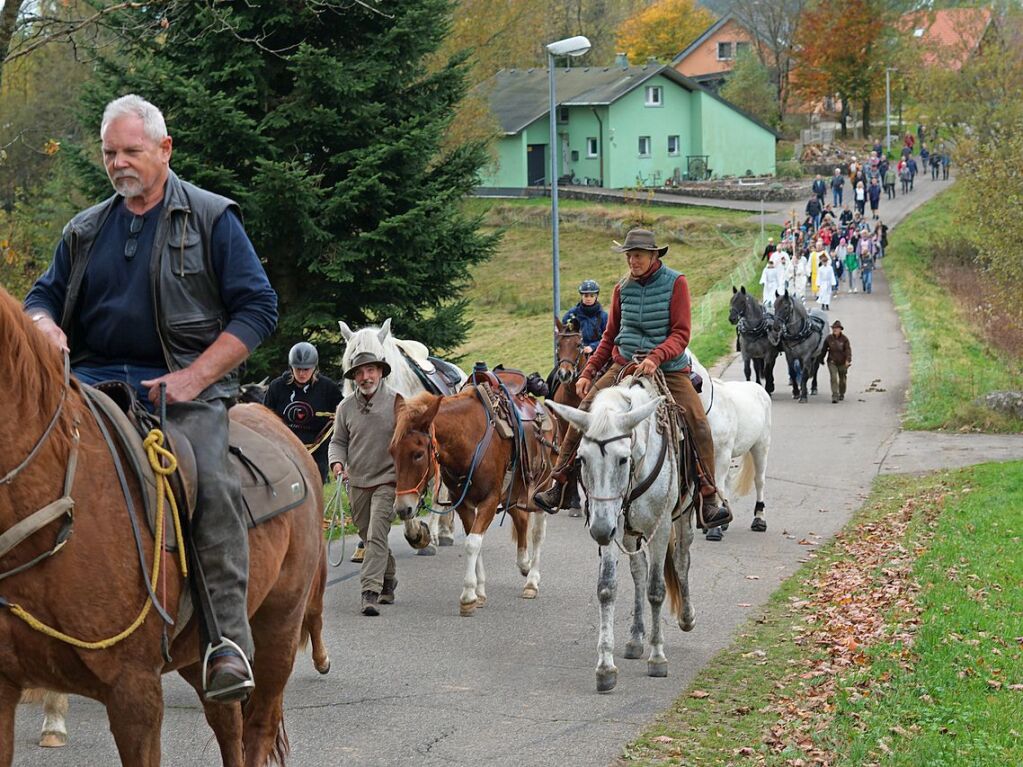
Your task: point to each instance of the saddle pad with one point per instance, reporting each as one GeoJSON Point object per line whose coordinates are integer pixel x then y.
{"type": "Point", "coordinates": [417, 352]}
{"type": "Point", "coordinates": [271, 481]}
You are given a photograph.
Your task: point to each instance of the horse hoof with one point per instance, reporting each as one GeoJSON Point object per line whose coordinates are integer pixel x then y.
{"type": "Point", "coordinates": [715, 534]}
{"type": "Point", "coordinates": [724, 527]}
{"type": "Point", "coordinates": [465, 609]}
{"type": "Point", "coordinates": [633, 649]}
{"type": "Point", "coordinates": [53, 740]}
{"type": "Point", "coordinates": [759, 525]}
{"type": "Point", "coordinates": [813, 391]}
{"type": "Point", "coordinates": [481, 601]}
{"type": "Point", "coordinates": [607, 679]}
{"type": "Point", "coordinates": [530, 592]}
{"type": "Point", "coordinates": [445, 540]}
{"type": "Point", "coordinates": [428, 551]}
{"type": "Point", "coordinates": [688, 620]}
{"type": "Point", "coordinates": [323, 668]}
{"type": "Point", "coordinates": [802, 400]}
{"type": "Point", "coordinates": [657, 668]}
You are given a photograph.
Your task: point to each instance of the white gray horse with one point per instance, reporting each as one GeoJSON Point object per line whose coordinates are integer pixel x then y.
{"type": "Point", "coordinates": [405, 382]}
{"type": "Point", "coordinates": [739, 414]}
{"type": "Point", "coordinates": [629, 458]}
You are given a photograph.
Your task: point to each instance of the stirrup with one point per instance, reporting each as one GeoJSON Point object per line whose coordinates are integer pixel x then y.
{"type": "Point", "coordinates": [227, 694]}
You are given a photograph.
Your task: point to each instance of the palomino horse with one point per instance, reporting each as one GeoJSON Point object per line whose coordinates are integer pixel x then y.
{"type": "Point", "coordinates": [572, 358]}
{"type": "Point", "coordinates": [752, 322]}
{"type": "Point", "coordinates": [453, 437]}
{"type": "Point", "coordinates": [801, 335]}
{"type": "Point", "coordinates": [630, 471]}
{"type": "Point", "coordinates": [87, 586]}
{"type": "Point", "coordinates": [405, 382]}
{"type": "Point", "coordinates": [739, 414]}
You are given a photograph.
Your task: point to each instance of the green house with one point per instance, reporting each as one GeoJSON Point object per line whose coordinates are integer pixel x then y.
{"type": "Point", "coordinates": [620, 126]}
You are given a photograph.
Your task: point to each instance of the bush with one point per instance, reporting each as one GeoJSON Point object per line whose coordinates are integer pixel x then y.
{"type": "Point", "coordinates": [788, 169]}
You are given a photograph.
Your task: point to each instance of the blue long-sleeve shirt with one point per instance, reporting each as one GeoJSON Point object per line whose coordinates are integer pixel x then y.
{"type": "Point", "coordinates": [116, 321]}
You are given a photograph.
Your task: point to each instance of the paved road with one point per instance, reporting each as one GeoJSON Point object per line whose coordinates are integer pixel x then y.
{"type": "Point", "coordinates": [514, 685]}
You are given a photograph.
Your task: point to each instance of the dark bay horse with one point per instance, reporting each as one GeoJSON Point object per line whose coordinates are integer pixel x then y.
{"type": "Point", "coordinates": [752, 321]}
{"type": "Point", "coordinates": [572, 359]}
{"type": "Point", "coordinates": [91, 587]}
{"type": "Point", "coordinates": [802, 335]}
{"type": "Point", "coordinates": [454, 436]}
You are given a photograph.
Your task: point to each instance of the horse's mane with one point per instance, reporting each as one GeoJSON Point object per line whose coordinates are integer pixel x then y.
{"type": "Point", "coordinates": [32, 368]}
{"type": "Point", "coordinates": [610, 402]}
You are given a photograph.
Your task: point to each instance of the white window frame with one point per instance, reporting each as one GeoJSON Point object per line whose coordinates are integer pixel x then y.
{"type": "Point", "coordinates": [678, 146]}
{"type": "Point", "coordinates": [654, 96]}
{"type": "Point", "coordinates": [646, 140]}
{"type": "Point", "coordinates": [731, 51]}
{"type": "Point", "coordinates": [592, 149]}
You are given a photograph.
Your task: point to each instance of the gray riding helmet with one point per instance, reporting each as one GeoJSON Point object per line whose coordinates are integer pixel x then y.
{"type": "Point", "coordinates": [303, 356]}
{"type": "Point", "coordinates": [589, 286]}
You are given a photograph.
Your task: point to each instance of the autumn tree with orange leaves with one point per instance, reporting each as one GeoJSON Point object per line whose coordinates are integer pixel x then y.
{"type": "Point", "coordinates": [843, 47]}
{"type": "Point", "coordinates": [662, 29]}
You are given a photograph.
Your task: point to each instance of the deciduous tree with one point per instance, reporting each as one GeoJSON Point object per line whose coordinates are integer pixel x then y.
{"type": "Point", "coordinates": [662, 29]}
{"type": "Point", "coordinates": [749, 87]}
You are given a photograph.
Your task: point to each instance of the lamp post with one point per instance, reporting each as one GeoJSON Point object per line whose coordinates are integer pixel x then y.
{"type": "Point", "coordinates": [888, 108]}
{"type": "Point", "coordinates": [570, 46]}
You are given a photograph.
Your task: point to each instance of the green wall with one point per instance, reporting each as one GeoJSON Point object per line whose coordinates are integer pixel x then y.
{"type": "Point", "coordinates": [733, 143]}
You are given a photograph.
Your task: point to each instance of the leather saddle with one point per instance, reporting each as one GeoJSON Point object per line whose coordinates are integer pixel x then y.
{"type": "Point", "coordinates": [271, 482]}
{"type": "Point", "coordinates": [436, 375]}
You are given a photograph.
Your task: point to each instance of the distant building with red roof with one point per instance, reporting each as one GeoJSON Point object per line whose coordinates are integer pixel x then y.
{"type": "Point", "coordinates": [948, 37]}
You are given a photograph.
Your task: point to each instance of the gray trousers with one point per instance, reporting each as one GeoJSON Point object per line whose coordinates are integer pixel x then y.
{"type": "Point", "coordinates": [373, 512]}
{"type": "Point", "coordinates": [218, 527]}
{"type": "Point", "coordinates": [837, 379]}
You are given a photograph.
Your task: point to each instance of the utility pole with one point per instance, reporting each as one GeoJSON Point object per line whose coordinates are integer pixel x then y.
{"type": "Point", "coordinates": [887, 109]}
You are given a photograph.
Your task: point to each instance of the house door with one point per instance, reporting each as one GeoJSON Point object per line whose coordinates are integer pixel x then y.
{"type": "Point", "coordinates": [536, 166]}
{"type": "Point", "coordinates": [566, 168]}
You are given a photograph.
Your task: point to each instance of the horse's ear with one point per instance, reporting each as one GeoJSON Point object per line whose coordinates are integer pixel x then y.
{"type": "Point", "coordinates": [635, 417]}
{"type": "Point", "coordinates": [734, 290]}
{"type": "Point", "coordinates": [431, 412]}
{"type": "Point", "coordinates": [743, 290]}
{"type": "Point", "coordinates": [385, 330]}
{"type": "Point", "coordinates": [557, 324]}
{"type": "Point", "coordinates": [574, 416]}
{"type": "Point", "coordinates": [399, 403]}
{"type": "Point", "coordinates": [345, 330]}
{"type": "Point", "coordinates": [777, 294]}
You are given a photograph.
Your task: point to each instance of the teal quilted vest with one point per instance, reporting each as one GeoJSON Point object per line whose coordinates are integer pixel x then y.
{"type": "Point", "coordinates": [645, 317]}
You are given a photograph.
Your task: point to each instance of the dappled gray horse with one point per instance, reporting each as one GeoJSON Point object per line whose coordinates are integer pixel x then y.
{"type": "Point", "coordinates": [802, 336]}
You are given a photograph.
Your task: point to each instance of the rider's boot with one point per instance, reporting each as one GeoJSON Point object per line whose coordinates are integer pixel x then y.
{"type": "Point", "coordinates": [551, 500]}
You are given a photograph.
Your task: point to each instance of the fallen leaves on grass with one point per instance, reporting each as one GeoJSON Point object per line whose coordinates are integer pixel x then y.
{"type": "Point", "coordinates": [699, 694]}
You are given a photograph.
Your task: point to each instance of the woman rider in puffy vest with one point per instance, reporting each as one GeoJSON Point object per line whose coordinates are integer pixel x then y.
{"type": "Point", "coordinates": [649, 318]}
{"type": "Point", "coordinates": [588, 315]}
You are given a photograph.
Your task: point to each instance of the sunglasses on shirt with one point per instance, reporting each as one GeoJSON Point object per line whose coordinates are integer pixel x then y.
{"type": "Point", "coordinates": [132, 244]}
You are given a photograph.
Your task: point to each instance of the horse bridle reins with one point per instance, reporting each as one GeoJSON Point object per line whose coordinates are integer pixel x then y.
{"type": "Point", "coordinates": [578, 356]}
{"type": "Point", "coordinates": [63, 506]}
{"type": "Point", "coordinates": [432, 464]}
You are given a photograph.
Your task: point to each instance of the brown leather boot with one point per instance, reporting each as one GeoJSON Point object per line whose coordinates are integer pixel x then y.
{"type": "Point", "coordinates": [550, 500]}
{"type": "Point", "coordinates": [714, 515]}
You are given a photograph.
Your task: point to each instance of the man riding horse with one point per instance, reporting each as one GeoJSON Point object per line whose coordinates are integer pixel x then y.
{"type": "Point", "coordinates": [159, 284]}
{"type": "Point", "coordinates": [649, 321]}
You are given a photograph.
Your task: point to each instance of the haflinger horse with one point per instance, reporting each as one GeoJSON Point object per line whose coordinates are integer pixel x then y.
{"type": "Point", "coordinates": [454, 438]}
{"type": "Point", "coordinates": [802, 335]}
{"type": "Point", "coordinates": [571, 360]}
{"type": "Point", "coordinates": [739, 414]}
{"type": "Point", "coordinates": [752, 322]}
{"type": "Point", "coordinates": [637, 487]}
{"type": "Point", "coordinates": [404, 381]}
{"type": "Point", "coordinates": [65, 598]}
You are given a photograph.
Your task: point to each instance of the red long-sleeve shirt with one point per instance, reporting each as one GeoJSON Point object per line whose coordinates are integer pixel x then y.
{"type": "Point", "coordinates": [679, 327]}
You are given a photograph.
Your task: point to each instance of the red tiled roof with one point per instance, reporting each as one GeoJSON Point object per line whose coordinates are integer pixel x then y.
{"type": "Point", "coordinates": [948, 37]}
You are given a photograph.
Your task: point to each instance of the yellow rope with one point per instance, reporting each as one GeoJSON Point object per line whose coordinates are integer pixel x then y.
{"type": "Point", "coordinates": [164, 464]}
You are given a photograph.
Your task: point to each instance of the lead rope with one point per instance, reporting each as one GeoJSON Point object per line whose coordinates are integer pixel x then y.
{"type": "Point", "coordinates": [164, 464]}
{"type": "Point", "coordinates": [336, 524]}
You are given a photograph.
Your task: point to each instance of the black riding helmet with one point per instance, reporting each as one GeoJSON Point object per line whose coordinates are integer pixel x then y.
{"type": "Point", "coordinates": [303, 356]}
{"type": "Point", "coordinates": [589, 286]}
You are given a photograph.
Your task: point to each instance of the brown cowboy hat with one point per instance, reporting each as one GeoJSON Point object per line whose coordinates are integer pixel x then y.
{"type": "Point", "coordinates": [837, 324]}
{"type": "Point", "coordinates": [367, 358]}
{"type": "Point", "coordinates": [640, 239]}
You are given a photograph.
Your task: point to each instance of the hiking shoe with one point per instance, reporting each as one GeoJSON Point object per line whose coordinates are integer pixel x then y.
{"type": "Point", "coordinates": [549, 500]}
{"type": "Point", "coordinates": [714, 515]}
{"type": "Point", "coordinates": [370, 600]}
{"type": "Point", "coordinates": [834, 400]}
{"type": "Point", "coordinates": [359, 554]}
{"type": "Point", "coordinates": [387, 593]}
{"type": "Point", "coordinates": [228, 677]}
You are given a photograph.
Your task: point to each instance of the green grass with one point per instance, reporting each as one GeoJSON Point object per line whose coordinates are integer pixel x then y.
{"type": "Point", "coordinates": [935, 690]}
{"type": "Point", "coordinates": [952, 364]}
{"type": "Point", "coordinates": [510, 296]}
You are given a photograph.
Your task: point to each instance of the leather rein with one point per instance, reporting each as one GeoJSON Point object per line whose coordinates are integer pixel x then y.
{"type": "Point", "coordinates": [62, 507]}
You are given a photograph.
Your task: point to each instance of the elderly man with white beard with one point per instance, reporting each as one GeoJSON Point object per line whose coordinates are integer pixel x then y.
{"type": "Point", "coordinates": [358, 454]}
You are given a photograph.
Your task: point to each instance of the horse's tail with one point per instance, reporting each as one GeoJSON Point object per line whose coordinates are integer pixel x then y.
{"type": "Point", "coordinates": [671, 581]}
{"type": "Point", "coordinates": [747, 473]}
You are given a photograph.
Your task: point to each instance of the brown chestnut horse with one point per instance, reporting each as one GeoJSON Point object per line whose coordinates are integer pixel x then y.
{"type": "Point", "coordinates": [572, 359]}
{"type": "Point", "coordinates": [454, 436]}
{"type": "Point", "coordinates": [92, 587]}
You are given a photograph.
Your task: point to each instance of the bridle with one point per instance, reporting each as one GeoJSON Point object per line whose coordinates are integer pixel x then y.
{"type": "Point", "coordinates": [579, 355]}
{"type": "Point", "coordinates": [432, 465]}
{"type": "Point", "coordinates": [62, 507]}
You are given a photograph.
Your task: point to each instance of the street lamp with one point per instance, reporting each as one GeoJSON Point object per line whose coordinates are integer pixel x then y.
{"type": "Point", "coordinates": [888, 108]}
{"type": "Point", "coordinates": [570, 46]}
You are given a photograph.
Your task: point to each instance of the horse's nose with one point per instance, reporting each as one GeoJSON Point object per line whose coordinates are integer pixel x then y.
{"type": "Point", "coordinates": [601, 532]}
{"type": "Point", "coordinates": [565, 376]}
{"type": "Point", "coordinates": [405, 506]}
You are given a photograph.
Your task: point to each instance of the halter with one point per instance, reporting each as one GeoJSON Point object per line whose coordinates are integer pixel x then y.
{"type": "Point", "coordinates": [578, 356]}
{"type": "Point", "coordinates": [431, 436]}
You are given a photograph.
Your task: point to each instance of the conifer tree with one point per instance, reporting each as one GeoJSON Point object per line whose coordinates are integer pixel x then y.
{"type": "Point", "coordinates": [325, 122]}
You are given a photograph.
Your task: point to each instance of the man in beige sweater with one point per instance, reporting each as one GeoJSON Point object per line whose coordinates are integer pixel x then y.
{"type": "Point", "coordinates": [358, 454]}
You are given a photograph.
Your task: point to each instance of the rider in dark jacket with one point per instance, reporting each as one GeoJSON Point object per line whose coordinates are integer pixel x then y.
{"type": "Point", "coordinates": [588, 315]}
